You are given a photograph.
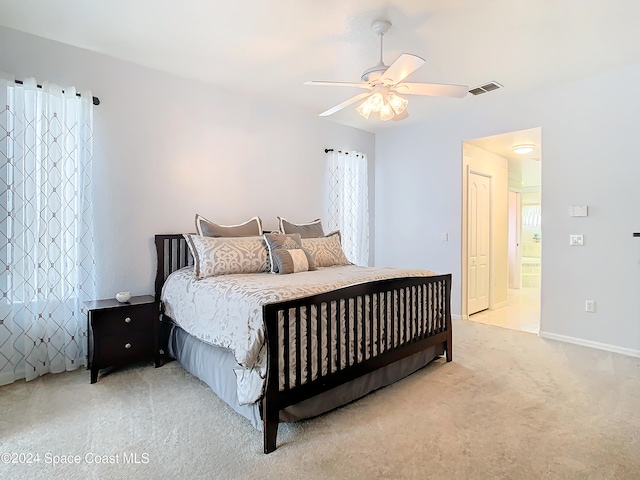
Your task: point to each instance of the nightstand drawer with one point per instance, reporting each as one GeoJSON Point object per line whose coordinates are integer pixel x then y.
{"type": "Point", "coordinates": [115, 349]}
{"type": "Point", "coordinates": [123, 321]}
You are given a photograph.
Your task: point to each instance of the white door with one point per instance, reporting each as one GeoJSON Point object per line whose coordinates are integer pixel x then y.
{"type": "Point", "coordinates": [479, 198]}
{"type": "Point", "coordinates": [515, 230]}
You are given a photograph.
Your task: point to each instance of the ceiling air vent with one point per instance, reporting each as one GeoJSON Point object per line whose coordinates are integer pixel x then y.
{"type": "Point", "coordinates": [485, 88]}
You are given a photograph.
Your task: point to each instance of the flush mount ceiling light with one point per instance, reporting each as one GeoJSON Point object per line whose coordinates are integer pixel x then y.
{"type": "Point", "coordinates": [523, 149]}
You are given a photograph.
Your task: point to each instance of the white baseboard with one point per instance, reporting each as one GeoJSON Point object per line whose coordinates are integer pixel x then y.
{"type": "Point", "coordinates": [455, 316]}
{"type": "Point", "coordinates": [588, 343]}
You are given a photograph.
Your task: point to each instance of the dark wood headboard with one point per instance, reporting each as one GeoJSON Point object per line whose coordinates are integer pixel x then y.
{"type": "Point", "coordinates": [173, 254]}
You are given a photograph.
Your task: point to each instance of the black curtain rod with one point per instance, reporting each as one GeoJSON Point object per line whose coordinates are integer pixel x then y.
{"type": "Point", "coordinates": [327, 150]}
{"type": "Point", "coordinates": [96, 100]}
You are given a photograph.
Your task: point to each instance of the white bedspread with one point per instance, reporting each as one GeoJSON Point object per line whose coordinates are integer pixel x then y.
{"type": "Point", "coordinates": [226, 310]}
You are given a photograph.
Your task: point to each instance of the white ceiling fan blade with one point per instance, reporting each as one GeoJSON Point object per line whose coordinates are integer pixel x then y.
{"type": "Point", "coordinates": [344, 104]}
{"type": "Point", "coordinates": [404, 66]}
{"type": "Point", "coordinates": [339, 84]}
{"type": "Point", "coordinates": [433, 89]}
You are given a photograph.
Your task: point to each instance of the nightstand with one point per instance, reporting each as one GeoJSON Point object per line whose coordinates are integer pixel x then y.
{"type": "Point", "coordinates": [121, 333]}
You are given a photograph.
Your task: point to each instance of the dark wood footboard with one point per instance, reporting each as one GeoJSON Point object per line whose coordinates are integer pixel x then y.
{"type": "Point", "coordinates": [319, 342]}
{"type": "Point", "coordinates": [368, 326]}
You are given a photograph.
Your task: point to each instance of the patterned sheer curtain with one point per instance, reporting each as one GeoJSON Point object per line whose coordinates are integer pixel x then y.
{"type": "Point", "coordinates": [46, 234]}
{"type": "Point", "coordinates": [348, 203]}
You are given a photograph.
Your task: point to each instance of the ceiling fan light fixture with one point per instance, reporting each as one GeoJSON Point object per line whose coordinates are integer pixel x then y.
{"type": "Point", "coordinates": [386, 112]}
{"type": "Point", "coordinates": [398, 103]}
{"type": "Point", "coordinates": [523, 149]}
{"type": "Point", "coordinates": [376, 102]}
{"type": "Point", "coordinates": [364, 109]}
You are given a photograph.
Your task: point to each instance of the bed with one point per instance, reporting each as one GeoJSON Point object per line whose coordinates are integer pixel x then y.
{"type": "Point", "coordinates": [316, 351]}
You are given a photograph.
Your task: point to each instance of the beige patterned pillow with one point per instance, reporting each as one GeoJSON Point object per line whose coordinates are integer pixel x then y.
{"type": "Point", "coordinates": [250, 228]}
{"type": "Point", "coordinates": [287, 255]}
{"type": "Point", "coordinates": [222, 256]}
{"type": "Point", "coordinates": [326, 251]}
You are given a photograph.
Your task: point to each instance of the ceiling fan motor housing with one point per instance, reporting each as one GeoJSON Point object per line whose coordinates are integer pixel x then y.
{"type": "Point", "coordinates": [373, 73]}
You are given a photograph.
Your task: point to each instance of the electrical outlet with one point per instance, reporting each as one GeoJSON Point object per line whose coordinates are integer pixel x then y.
{"type": "Point", "coordinates": [590, 306]}
{"type": "Point", "coordinates": [576, 240]}
{"type": "Point", "coordinates": [445, 237]}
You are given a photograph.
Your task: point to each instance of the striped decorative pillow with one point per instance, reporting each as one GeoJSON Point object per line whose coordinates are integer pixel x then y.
{"type": "Point", "coordinates": [287, 255]}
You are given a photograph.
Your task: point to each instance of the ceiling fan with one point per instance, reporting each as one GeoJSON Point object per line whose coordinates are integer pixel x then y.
{"type": "Point", "coordinates": [385, 86]}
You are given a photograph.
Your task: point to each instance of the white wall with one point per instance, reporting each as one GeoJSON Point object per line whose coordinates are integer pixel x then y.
{"type": "Point", "coordinates": [166, 148]}
{"type": "Point", "coordinates": [589, 132]}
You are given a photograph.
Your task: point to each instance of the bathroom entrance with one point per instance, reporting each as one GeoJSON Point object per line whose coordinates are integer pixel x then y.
{"type": "Point", "coordinates": [521, 152]}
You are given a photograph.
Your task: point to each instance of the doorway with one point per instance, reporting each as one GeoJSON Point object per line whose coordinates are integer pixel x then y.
{"type": "Point", "coordinates": [515, 231]}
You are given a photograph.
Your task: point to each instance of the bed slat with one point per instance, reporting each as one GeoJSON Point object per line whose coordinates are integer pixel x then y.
{"type": "Point", "coordinates": [287, 352]}
{"type": "Point", "coordinates": [347, 306]}
{"type": "Point", "coordinates": [298, 348]}
{"type": "Point", "coordinates": [329, 339]}
{"type": "Point", "coordinates": [318, 341]}
{"type": "Point", "coordinates": [308, 335]}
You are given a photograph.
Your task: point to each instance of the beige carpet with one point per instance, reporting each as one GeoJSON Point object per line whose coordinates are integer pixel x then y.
{"type": "Point", "coordinates": [510, 405]}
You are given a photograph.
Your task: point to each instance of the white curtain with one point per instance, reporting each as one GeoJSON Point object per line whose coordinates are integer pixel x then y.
{"type": "Point", "coordinates": [46, 234]}
{"type": "Point", "coordinates": [348, 203]}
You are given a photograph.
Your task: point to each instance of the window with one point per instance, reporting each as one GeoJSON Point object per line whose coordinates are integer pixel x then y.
{"type": "Point", "coordinates": [531, 216]}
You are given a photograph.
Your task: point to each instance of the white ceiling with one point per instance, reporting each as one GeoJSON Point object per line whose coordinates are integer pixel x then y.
{"type": "Point", "coordinates": [270, 47]}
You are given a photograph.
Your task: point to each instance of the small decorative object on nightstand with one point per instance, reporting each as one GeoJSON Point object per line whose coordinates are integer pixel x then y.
{"type": "Point", "coordinates": [121, 333]}
{"type": "Point", "coordinates": [123, 297]}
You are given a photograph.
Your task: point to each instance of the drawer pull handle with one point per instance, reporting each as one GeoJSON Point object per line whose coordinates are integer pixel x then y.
{"type": "Point", "coordinates": [127, 345]}
{"type": "Point", "coordinates": [127, 320]}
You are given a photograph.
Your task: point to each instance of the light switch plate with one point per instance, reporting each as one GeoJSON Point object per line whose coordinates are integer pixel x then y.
{"type": "Point", "coordinates": [576, 240]}
{"type": "Point", "coordinates": [579, 211]}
